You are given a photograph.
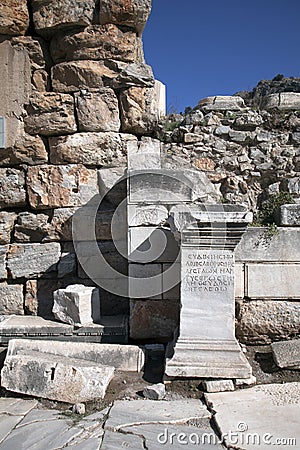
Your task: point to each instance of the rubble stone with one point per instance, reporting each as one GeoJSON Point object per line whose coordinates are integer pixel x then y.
{"type": "Point", "coordinates": [12, 188]}
{"type": "Point", "coordinates": [98, 111]}
{"type": "Point", "coordinates": [11, 299]}
{"type": "Point", "coordinates": [155, 392]}
{"type": "Point", "coordinates": [26, 149]}
{"type": "Point", "coordinates": [55, 377]}
{"type": "Point", "coordinates": [7, 220]}
{"type": "Point", "coordinates": [92, 149]}
{"type": "Point", "coordinates": [14, 17]}
{"type": "Point", "coordinates": [50, 114]}
{"type": "Point", "coordinates": [290, 215]}
{"type": "Point", "coordinates": [133, 14]}
{"type": "Point", "coordinates": [77, 304]}
{"type": "Point", "coordinates": [96, 42]}
{"type": "Point", "coordinates": [31, 227]}
{"type": "Point", "coordinates": [57, 186]}
{"type": "Point", "coordinates": [32, 260]}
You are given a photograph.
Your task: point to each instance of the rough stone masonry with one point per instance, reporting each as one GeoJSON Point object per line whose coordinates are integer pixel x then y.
{"type": "Point", "coordinates": [75, 92]}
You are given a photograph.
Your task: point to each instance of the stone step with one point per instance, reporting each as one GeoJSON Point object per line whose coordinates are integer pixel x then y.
{"type": "Point", "coordinates": [113, 329]}
{"type": "Point", "coordinates": [129, 358]}
{"type": "Point", "coordinates": [55, 377]}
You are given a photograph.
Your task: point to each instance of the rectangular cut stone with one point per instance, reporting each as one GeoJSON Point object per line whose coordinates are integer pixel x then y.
{"type": "Point", "coordinates": [12, 188]}
{"type": "Point", "coordinates": [32, 260]}
{"type": "Point", "coordinates": [290, 215]}
{"type": "Point", "coordinates": [11, 299]}
{"type": "Point", "coordinates": [287, 354]}
{"type": "Point", "coordinates": [273, 281]}
{"type": "Point", "coordinates": [55, 377]}
{"type": "Point", "coordinates": [3, 251]}
{"type": "Point", "coordinates": [138, 215]}
{"type": "Point", "coordinates": [129, 358]}
{"type": "Point", "coordinates": [257, 246]}
{"type": "Point", "coordinates": [31, 326]}
{"type": "Point", "coordinates": [218, 385]}
{"type": "Point", "coordinates": [239, 281]}
{"type": "Point", "coordinates": [144, 154]}
{"type": "Point", "coordinates": [77, 304]}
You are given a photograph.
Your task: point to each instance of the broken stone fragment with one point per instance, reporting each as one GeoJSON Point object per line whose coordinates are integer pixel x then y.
{"type": "Point", "coordinates": [14, 17]}
{"type": "Point", "coordinates": [12, 188]}
{"type": "Point", "coordinates": [221, 103]}
{"type": "Point", "coordinates": [97, 42]}
{"type": "Point", "coordinates": [78, 408]}
{"type": "Point", "coordinates": [129, 75]}
{"type": "Point", "coordinates": [97, 111]}
{"type": "Point", "coordinates": [26, 149]}
{"type": "Point", "coordinates": [77, 304]}
{"type": "Point", "coordinates": [155, 392]}
{"type": "Point", "coordinates": [218, 385]}
{"type": "Point", "coordinates": [50, 114]}
{"type": "Point", "coordinates": [55, 377]}
{"type": "Point", "coordinates": [133, 14]}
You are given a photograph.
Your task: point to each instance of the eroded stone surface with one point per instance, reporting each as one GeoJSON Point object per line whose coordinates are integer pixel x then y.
{"type": "Point", "coordinates": [133, 13]}
{"type": "Point", "coordinates": [11, 299]}
{"type": "Point", "coordinates": [7, 220]}
{"type": "Point", "coordinates": [287, 353]}
{"type": "Point", "coordinates": [12, 188]}
{"type": "Point", "coordinates": [14, 17]}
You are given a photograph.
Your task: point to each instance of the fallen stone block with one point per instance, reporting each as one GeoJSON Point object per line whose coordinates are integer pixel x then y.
{"type": "Point", "coordinates": [129, 358]}
{"type": "Point", "coordinates": [155, 392]}
{"type": "Point", "coordinates": [218, 385]}
{"type": "Point", "coordinates": [245, 381]}
{"type": "Point", "coordinates": [287, 354]}
{"type": "Point", "coordinates": [77, 304]}
{"type": "Point", "coordinates": [56, 377]}
{"type": "Point", "coordinates": [221, 103]}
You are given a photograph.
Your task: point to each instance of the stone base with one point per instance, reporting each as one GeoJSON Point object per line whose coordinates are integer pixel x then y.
{"type": "Point", "coordinates": [207, 359]}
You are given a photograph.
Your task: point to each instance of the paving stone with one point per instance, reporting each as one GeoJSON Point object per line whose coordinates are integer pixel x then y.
{"type": "Point", "coordinates": [264, 413]}
{"type": "Point", "coordinates": [16, 406]}
{"type": "Point", "coordinates": [126, 414]}
{"type": "Point", "coordinates": [218, 385]}
{"type": "Point", "coordinates": [129, 358]}
{"type": "Point", "coordinates": [287, 354]}
{"type": "Point", "coordinates": [55, 377]}
{"type": "Point", "coordinates": [116, 441]}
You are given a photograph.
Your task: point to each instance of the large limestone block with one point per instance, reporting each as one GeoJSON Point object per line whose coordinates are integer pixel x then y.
{"type": "Point", "coordinates": [31, 260]}
{"type": "Point", "coordinates": [51, 15]}
{"type": "Point", "coordinates": [15, 76]}
{"type": "Point", "coordinates": [97, 42]}
{"type": "Point", "coordinates": [14, 17]}
{"type": "Point", "coordinates": [77, 304]}
{"type": "Point", "coordinates": [283, 101]}
{"type": "Point", "coordinates": [26, 149]}
{"type": "Point", "coordinates": [222, 103]}
{"type": "Point", "coordinates": [12, 188]}
{"type": "Point", "coordinates": [55, 377]}
{"type": "Point", "coordinates": [129, 358]}
{"type": "Point", "coordinates": [93, 149]}
{"type": "Point", "coordinates": [7, 220]}
{"type": "Point", "coordinates": [60, 186]}
{"type": "Point", "coordinates": [50, 114]}
{"type": "Point", "coordinates": [139, 111]}
{"type": "Point", "coordinates": [261, 321]}
{"type": "Point", "coordinates": [76, 75]}
{"type": "Point", "coordinates": [11, 299]}
{"type": "Point", "coordinates": [132, 13]}
{"type": "Point", "coordinates": [98, 111]}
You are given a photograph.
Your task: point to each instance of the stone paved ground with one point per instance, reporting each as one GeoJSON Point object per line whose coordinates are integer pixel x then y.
{"type": "Point", "coordinates": [270, 410]}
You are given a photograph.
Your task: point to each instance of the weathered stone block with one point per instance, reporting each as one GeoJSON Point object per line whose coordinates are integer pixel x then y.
{"type": "Point", "coordinates": [31, 227]}
{"type": "Point", "coordinates": [138, 108]}
{"type": "Point", "coordinates": [96, 42]}
{"type": "Point", "coordinates": [218, 385]}
{"type": "Point", "coordinates": [290, 215]}
{"type": "Point", "coordinates": [11, 299]}
{"type": "Point", "coordinates": [129, 358]}
{"type": "Point", "coordinates": [283, 101]}
{"type": "Point", "coordinates": [61, 224]}
{"type": "Point", "coordinates": [155, 392]}
{"type": "Point", "coordinates": [262, 321]}
{"type": "Point", "coordinates": [14, 17]}
{"type": "Point", "coordinates": [128, 75]}
{"type": "Point", "coordinates": [31, 260]}
{"type": "Point", "coordinates": [98, 111]}
{"type": "Point", "coordinates": [7, 220]}
{"type": "Point", "coordinates": [3, 251]}
{"type": "Point", "coordinates": [36, 49]}
{"type": "Point", "coordinates": [56, 377]}
{"type": "Point", "coordinates": [153, 319]}
{"type": "Point", "coordinates": [113, 184]}
{"type": "Point", "coordinates": [76, 75]}
{"type": "Point", "coordinates": [57, 186]}
{"type": "Point", "coordinates": [145, 154]}
{"type": "Point", "coordinates": [41, 80]}
{"type": "Point", "coordinates": [49, 16]}
{"type": "Point", "coordinates": [287, 354]}
{"type": "Point", "coordinates": [93, 149]}
{"type": "Point", "coordinates": [205, 164]}
{"type": "Point", "coordinates": [26, 149]}
{"type": "Point", "coordinates": [39, 297]}
{"type": "Point", "coordinates": [146, 215]}
{"type": "Point", "coordinates": [77, 304]}
{"type": "Point", "coordinates": [133, 14]}
{"type": "Point", "coordinates": [67, 265]}
{"type": "Point", "coordinates": [12, 188]}
{"type": "Point", "coordinates": [50, 114]}
{"type": "Point", "coordinates": [273, 281]}
{"type": "Point", "coordinates": [221, 103]}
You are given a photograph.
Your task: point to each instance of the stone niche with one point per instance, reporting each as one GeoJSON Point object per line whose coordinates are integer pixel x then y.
{"type": "Point", "coordinates": [181, 243]}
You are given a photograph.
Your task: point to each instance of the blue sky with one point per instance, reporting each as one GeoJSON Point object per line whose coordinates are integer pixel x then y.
{"type": "Point", "coordinates": [218, 47]}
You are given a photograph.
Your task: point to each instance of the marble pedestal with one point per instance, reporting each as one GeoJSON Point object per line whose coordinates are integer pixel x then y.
{"type": "Point", "coordinates": [206, 346]}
